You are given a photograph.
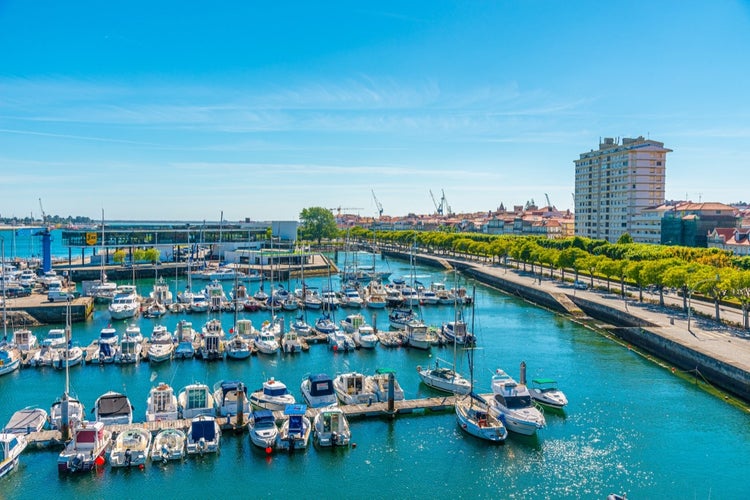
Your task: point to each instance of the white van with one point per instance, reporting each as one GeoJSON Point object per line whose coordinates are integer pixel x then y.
{"type": "Point", "coordinates": [60, 295]}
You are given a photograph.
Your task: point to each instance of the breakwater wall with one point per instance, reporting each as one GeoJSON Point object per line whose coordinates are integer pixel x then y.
{"type": "Point", "coordinates": [627, 326]}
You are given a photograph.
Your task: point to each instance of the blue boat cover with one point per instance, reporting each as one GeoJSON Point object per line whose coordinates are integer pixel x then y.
{"type": "Point", "coordinates": [203, 429]}
{"type": "Point", "coordinates": [263, 416]}
{"type": "Point", "coordinates": [321, 385]}
{"type": "Point", "coordinates": [295, 409]}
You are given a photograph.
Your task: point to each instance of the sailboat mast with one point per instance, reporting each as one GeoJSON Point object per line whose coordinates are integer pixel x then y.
{"type": "Point", "coordinates": [5, 310]}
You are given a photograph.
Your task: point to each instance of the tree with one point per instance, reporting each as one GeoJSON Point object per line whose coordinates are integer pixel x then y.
{"type": "Point", "coordinates": [317, 223]}
{"type": "Point", "coordinates": [624, 239]}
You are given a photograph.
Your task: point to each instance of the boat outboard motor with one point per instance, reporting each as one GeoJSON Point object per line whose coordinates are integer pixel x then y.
{"type": "Point", "coordinates": [128, 457]}
{"type": "Point", "coordinates": [76, 463]}
{"type": "Point", "coordinates": [334, 438]}
{"type": "Point", "coordinates": [202, 445]}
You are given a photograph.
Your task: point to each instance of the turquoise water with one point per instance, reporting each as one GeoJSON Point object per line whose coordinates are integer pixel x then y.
{"type": "Point", "coordinates": [631, 426]}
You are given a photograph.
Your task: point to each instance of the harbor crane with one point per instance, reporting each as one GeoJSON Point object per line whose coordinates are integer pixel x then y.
{"type": "Point", "coordinates": [377, 204]}
{"type": "Point", "coordinates": [441, 208]}
{"type": "Point", "coordinates": [548, 202]}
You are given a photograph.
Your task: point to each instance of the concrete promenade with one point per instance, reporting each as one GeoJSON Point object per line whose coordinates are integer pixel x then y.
{"type": "Point", "coordinates": [717, 353]}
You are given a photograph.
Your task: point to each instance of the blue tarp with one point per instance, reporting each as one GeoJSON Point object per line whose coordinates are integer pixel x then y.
{"type": "Point", "coordinates": [205, 428]}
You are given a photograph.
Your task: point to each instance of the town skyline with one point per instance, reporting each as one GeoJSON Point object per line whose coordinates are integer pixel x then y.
{"type": "Point", "coordinates": [258, 114]}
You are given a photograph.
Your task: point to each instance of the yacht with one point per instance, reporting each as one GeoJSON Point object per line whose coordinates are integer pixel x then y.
{"type": "Point", "coordinates": [331, 427]}
{"type": "Point", "coordinates": [125, 304]}
{"type": "Point", "coordinates": [318, 390]}
{"type": "Point", "coordinates": [274, 395]}
{"type": "Point", "coordinates": [263, 430]}
{"type": "Point", "coordinates": [161, 346]}
{"type": "Point", "coordinates": [545, 392]}
{"type": "Point", "coordinates": [512, 403]}
{"type": "Point", "coordinates": [131, 448]}
{"type": "Point", "coordinates": [352, 390]}
{"type": "Point", "coordinates": [204, 435]}
{"type": "Point", "coordinates": [113, 408]}
{"type": "Point", "coordinates": [212, 347]}
{"type": "Point", "coordinates": [195, 400]}
{"type": "Point", "coordinates": [296, 428]}
{"type": "Point", "coordinates": [161, 403]}
{"type": "Point", "coordinates": [87, 448]}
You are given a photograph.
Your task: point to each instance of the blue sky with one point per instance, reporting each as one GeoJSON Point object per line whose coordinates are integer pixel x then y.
{"type": "Point", "coordinates": [178, 110]}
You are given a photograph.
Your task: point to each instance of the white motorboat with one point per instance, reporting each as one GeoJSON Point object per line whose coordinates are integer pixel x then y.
{"type": "Point", "coordinates": [70, 356]}
{"type": "Point", "coordinates": [266, 342]}
{"type": "Point", "coordinates": [375, 295]}
{"type": "Point", "coordinates": [352, 322]}
{"type": "Point", "coordinates": [340, 341]}
{"type": "Point", "coordinates": [290, 342]}
{"type": "Point", "coordinates": [87, 448]}
{"type": "Point", "coordinates": [161, 346]}
{"type": "Point", "coordinates": [204, 436]}
{"type": "Point", "coordinates": [351, 389]}
{"type": "Point", "coordinates": [10, 359]}
{"type": "Point", "coordinates": [26, 421]}
{"type": "Point", "coordinates": [318, 390]}
{"type": "Point", "coordinates": [245, 329]}
{"type": "Point", "coordinates": [545, 392]}
{"type": "Point", "coordinates": [295, 430]}
{"type": "Point", "coordinates": [331, 427]}
{"type": "Point", "coordinates": [107, 335]}
{"type": "Point", "coordinates": [106, 353]}
{"type": "Point", "coordinates": [227, 397]}
{"type": "Point", "coordinates": [511, 402]}
{"type": "Point", "coordinates": [55, 338]}
{"type": "Point", "coordinates": [263, 430]}
{"type": "Point", "coordinates": [125, 304]}
{"type": "Point", "coordinates": [419, 335]}
{"type": "Point", "coordinates": [11, 447]}
{"type": "Point", "coordinates": [398, 318]}
{"type": "Point", "coordinates": [168, 444]}
{"type": "Point", "coordinates": [76, 412]}
{"type": "Point", "coordinates": [161, 403]}
{"type": "Point", "coordinates": [130, 350]}
{"type": "Point", "coordinates": [133, 331]}
{"type": "Point", "coordinates": [365, 337]}
{"type": "Point", "coordinates": [194, 400]}
{"type": "Point", "coordinates": [131, 448]}
{"type": "Point", "coordinates": [161, 294]}
{"type": "Point", "coordinates": [457, 331]}
{"type": "Point", "coordinates": [186, 336]}
{"type": "Point", "coordinates": [238, 347]}
{"type": "Point", "coordinates": [198, 302]}
{"type": "Point", "coordinates": [24, 340]}
{"type": "Point", "coordinates": [113, 408]}
{"type": "Point", "coordinates": [380, 382]}
{"type": "Point", "coordinates": [352, 298]}
{"type": "Point", "coordinates": [216, 295]}
{"type": "Point", "coordinates": [274, 396]}
{"type": "Point", "coordinates": [444, 379]}
{"type": "Point", "coordinates": [212, 347]}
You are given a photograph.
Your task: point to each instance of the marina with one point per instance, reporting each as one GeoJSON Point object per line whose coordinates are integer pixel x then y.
{"type": "Point", "coordinates": [608, 437]}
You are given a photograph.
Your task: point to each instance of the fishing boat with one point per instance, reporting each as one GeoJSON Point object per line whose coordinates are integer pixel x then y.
{"type": "Point", "coordinates": [227, 397]}
{"type": "Point", "coordinates": [204, 436]}
{"type": "Point", "coordinates": [195, 400]}
{"type": "Point", "coordinates": [352, 390]}
{"type": "Point", "coordinates": [274, 396]}
{"type": "Point", "coordinates": [26, 421]}
{"type": "Point", "coordinates": [87, 448]}
{"type": "Point", "coordinates": [331, 427]}
{"type": "Point", "coordinates": [380, 382]}
{"type": "Point", "coordinates": [24, 340]}
{"type": "Point", "coordinates": [419, 335]}
{"type": "Point", "coordinates": [318, 391]}
{"type": "Point", "coordinates": [512, 403]}
{"type": "Point", "coordinates": [11, 447]}
{"type": "Point", "coordinates": [161, 346]}
{"type": "Point", "coordinates": [262, 428]}
{"type": "Point", "coordinates": [113, 408]}
{"type": "Point", "coordinates": [545, 392]}
{"type": "Point", "coordinates": [131, 448]}
{"type": "Point", "coordinates": [161, 403]}
{"type": "Point", "coordinates": [168, 444]}
{"type": "Point", "coordinates": [295, 429]}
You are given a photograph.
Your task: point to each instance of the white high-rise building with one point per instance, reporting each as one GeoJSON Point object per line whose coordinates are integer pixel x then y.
{"type": "Point", "coordinates": [615, 183]}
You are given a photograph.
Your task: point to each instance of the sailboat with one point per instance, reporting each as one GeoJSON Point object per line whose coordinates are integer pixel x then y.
{"type": "Point", "coordinates": [66, 412]}
{"type": "Point", "coordinates": [103, 290]}
{"type": "Point", "coordinates": [10, 356]}
{"type": "Point", "coordinates": [473, 414]}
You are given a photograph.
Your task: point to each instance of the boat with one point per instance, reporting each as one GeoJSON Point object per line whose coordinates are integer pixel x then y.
{"type": "Point", "coordinates": [161, 294]}
{"type": "Point", "coordinates": [130, 349]}
{"type": "Point", "coordinates": [351, 298]}
{"type": "Point", "coordinates": [125, 304]}
{"type": "Point", "coordinates": [340, 341]}
{"type": "Point", "coordinates": [156, 310]}
{"type": "Point", "coordinates": [511, 402]}
{"type": "Point", "coordinates": [399, 318]}
{"type": "Point", "coordinates": [87, 448]}
{"type": "Point", "coordinates": [238, 347]}
{"type": "Point", "coordinates": [26, 421]}
{"type": "Point", "coordinates": [457, 331]}
{"type": "Point", "coordinates": [76, 412]}
{"type": "Point", "coordinates": [113, 408]}
{"type": "Point", "coordinates": [352, 322]}
{"type": "Point", "coordinates": [318, 391]}
{"type": "Point", "coordinates": [379, 384]}
{"type": "Point", "coordinates": [212, 347]}
{"type": "Point", "coordinates": [11, 447]}
{"type": "Point", "coordinates": [24, 340]}
{"type": "Point", "coordinates": [351, 389]}
{"type": "Point", "coordinates": [204, 435]}
{"type": "Point", "coordinates": [419, 335]}
{"type": "Point", "coordinates": [300, 326]}
{"type": "Point", "coordinates": [186, 336]}
{"type": "Point", "coordinates": [195, 400]}
{"type": "Point", "coordinates": [545, 392]}
{"type": "Point", "coordinates": [295, 430]}
{"type": "Point", "coordinates": [227, 397]}
{"type": "Point", "coordinates": [107, 335]}
{"type": "Point", "coordinates": [198, 302]}
{"type": "Point", "coordinates": [65, 358]}
{"type": "Point", "coordinates": [130, 448]}
{"type": "Point", "coordinates": [55, 338]}
{"type": "Point", "coordinates": [325, 325]}
{"type": "Point", "coordinates": [216, 295]}
{"type": "Point", "coordinates": [10, 359]}
{"type": "Point", "coordinates": [274, 396]}
{"type": "Point", "coordinates": [266, 342]}
{"type": "Point", "coordinates": [331, 427]}
{"type": "Point", "coordinates": [290, 342]}
{"type": "Point", "coordinates": [161, 346]}
{"type": "Point", "coordinates": [262, 428]}
{"type": "Point", "coordinates": [375, 295]}
{"type": "Point", "coordinates": [106, 353]}
{"type": "Point", "coordinates": [161, 403]}
{"type": "Point", "coordinates": [365, 337]}
{"type": "Point", "coordinates": [444, 379]}
{"type": "Point", "coordinates": [168, 444]}
{"type": "Point", "coordinates": [329, 300]}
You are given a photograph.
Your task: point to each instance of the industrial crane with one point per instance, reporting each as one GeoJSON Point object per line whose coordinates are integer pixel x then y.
{"type": "Point", "coordinates": [377, 204]}
{"type": "Point", "coordinates": [438, 208]}
{"type": "Point", "coordinates": [44, 216]}
{"type": "Point", "coordinates": [548, 202]}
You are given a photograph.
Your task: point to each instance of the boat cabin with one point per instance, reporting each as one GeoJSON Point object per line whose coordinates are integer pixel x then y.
{"type": "Point", "coordinates": [321, 385]}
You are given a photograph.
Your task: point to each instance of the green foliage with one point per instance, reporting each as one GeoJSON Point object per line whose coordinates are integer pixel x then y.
{"type": "Point", "coordinates": [317, 223]}
{"type": "Point", "coordinates": [625, 238]}
{"type": "Point", "coordinates": [119, 256]}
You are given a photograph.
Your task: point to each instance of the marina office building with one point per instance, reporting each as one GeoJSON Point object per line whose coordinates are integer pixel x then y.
{"type": "Point", "coordinates": [615, 183]}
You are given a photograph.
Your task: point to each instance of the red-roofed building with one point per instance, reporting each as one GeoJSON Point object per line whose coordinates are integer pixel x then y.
{"type": "Point", "coordinates": [730, 238]}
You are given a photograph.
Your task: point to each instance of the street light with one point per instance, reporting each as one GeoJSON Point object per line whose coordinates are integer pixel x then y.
{"type": "Point", "coordinates": [690, 297]}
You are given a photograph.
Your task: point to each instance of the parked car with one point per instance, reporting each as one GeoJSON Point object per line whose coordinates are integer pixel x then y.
{"type": "Point", "coordinates": [580, 285]}
{"type": "Point", "coordinates": [60, 295]}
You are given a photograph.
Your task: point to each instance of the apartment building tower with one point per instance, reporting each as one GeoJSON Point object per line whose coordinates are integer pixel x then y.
{"type": "Point", "coordinates": [614, 183]}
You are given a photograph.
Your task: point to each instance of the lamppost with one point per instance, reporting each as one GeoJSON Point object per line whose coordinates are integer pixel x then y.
{"type": "Point", "coordinates": [690, 297]}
